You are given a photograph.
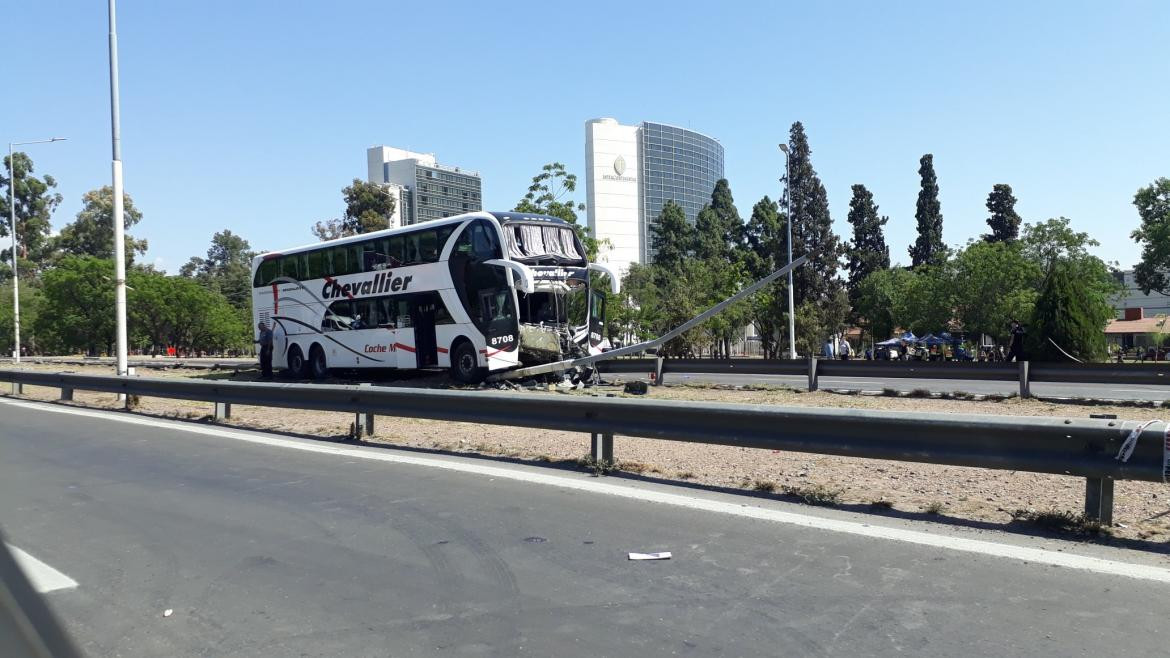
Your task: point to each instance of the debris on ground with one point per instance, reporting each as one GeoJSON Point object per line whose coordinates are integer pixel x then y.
{"type": "Point", "coordinates": [637, 387]}
{"type": "Point", "coordinates": [665, 555]}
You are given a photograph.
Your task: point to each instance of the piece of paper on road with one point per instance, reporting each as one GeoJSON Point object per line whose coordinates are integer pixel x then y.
{"type": "Point", "coordinates": [665, 555]}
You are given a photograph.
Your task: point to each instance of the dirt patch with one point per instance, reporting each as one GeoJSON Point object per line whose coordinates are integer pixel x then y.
{"type": "Point", "coordinates": [1141, 509]}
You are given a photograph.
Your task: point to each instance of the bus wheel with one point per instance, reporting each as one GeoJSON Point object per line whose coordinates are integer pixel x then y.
{"type": "Point", "coordinates": [296, 363]}
{"type": "Point", "coordinates": [318, 368]}
{"type": "Point", "coordinates": [464, 364]}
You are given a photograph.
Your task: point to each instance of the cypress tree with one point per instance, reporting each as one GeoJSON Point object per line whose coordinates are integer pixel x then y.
{"type": "Point", "coordinates": [1004, 222]}
{"type": "Point", "coordinates": [1071, 313]}
{"type": "Point", "coordinates": [812, 227]}
{"type": "Point", "coordinates": [718, 226]}
{"type": "Point", "coordinates": [672, 236]}
{"type": "Point", "coordinates": [928, 249]}
{"type": "Point", "coordinates": [868, 251]}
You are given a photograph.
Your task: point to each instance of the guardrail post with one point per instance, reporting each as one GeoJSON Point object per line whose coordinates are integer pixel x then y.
{"type": "Point", "coordinates": [66, 394]}
{"type": "Point", "coordinates": [658, 369]}
{"type": "Point", "coordinates": [601, 448]}
{"type": "Point", "coordinates": [1025, 385]}
{"type": "Point", "coordinates": [812, 373]}
{"type": "Point", "coordinates": [1099, 500]}
{"type": "Point", "coordinates": [363, 423]}
{"type": "Point", "coordinates": [17, 388]}
{"type": "Point", "coordinates": [223, 410]}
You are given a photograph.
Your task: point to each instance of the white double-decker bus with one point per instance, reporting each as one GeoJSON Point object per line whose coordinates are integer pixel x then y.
{"type": "Point", "coordinates": [474, 293]}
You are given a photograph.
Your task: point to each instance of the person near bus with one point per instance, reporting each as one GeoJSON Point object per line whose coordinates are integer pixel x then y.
{"type": "Point", "coordinates": [1016, 352]}
{"type": "Point", "coordinates": [844, 350]}
{"type": "Point", "coordinates": [265, 342]}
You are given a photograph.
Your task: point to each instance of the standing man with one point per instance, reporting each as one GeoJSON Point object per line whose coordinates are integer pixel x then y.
{"type": "Point", "coordinates": [1016, 352]}
{"type": "Point", "coordinates": [265, 342]}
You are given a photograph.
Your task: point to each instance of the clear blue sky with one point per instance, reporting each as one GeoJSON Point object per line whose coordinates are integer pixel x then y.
{"type": "Point", "coordinates": [253, 115]}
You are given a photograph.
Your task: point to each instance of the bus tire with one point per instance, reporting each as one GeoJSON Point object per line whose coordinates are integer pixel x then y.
{"type": "Point", "coordinates": [465, 367]}
{"type": "Point", "coordinates": [318, 366]}
{"type": "Point", "coordinates": [296, 363]}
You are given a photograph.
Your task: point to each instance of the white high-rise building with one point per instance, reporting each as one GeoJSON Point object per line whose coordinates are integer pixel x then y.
{"type": "Point", "coordinates": [632, 171]}
{"type": "Point", "coordinates": [422, 188]}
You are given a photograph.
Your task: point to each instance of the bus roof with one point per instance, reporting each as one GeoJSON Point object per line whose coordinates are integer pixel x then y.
{"type": "Point", "coordinates": [512, 217]}
{"type": "Point", "coordinates": [430, 223]}
{"type": "Point", "coordinates": [509, 217]}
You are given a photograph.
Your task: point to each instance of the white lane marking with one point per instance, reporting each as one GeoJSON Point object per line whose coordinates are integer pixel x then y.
{"type": "Point", "coordinates": [993, 549]}
{"type": "Point", "coordinates": [42, 577]}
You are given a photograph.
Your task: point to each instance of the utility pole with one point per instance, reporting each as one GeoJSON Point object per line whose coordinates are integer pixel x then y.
{"type": "Point", "coordinates": [788, 224]}
{"type": "Point", "coordinates": [15, 257]}
{"type": "Point", "coordinates": [119, 228]}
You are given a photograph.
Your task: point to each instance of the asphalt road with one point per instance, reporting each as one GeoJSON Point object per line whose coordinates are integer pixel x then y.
{"type": "Point", "coordinates": [1098, 391]}
{"type": "Point", "coordinates": [267, 550]}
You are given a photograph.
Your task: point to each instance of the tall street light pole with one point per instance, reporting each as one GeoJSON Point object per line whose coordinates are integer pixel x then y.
{"type": "Point", "coordinates": [12, 228]}
{"type": "Point", "coordinates": [119, 228]}
{"type": "Point", "coordinates": [788, 224]}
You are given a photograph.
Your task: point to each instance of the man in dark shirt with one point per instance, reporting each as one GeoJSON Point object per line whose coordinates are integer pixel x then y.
{"type": "Point", "coordinates": [1016, 353]}
{"type": "Point", "coordinates": [265, 342]}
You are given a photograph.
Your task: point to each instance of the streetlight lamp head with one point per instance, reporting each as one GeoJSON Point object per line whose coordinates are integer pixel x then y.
{"type": "Point", "coordinates": [784, 147]}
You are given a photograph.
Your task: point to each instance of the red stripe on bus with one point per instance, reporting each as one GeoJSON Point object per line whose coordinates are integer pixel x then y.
{"type": "Point", "coordinates": [275, 300]}
{"type": "Point", "coordinates": [400, 346]}
{"type": "Point", "coordinates": [442, 350]}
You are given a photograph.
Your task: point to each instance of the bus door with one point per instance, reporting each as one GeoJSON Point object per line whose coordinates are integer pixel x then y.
{"type": "Point", "coordinates": [422, 320]}
{"type": "Point", "coordinates": [596, 318]}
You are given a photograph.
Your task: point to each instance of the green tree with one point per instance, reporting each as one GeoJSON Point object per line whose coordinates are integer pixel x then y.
{"type": "Point", "coordinates": [1046, 242]}
{"type": "Point", "coordinates": [718, 227]}
{"type": "Point", "coordinates": [1004, 221]}
{"type": "Point", "coordinates": [368, 207]}
{"type": "Point", "coordinates": [868, 252]}
{"type": "Point", "coordinates": [30, 304]}
{"type": "Point", "coordinates": [227, 269]}
{"type": "Point", "coordinates": [550, 194]}
{"type": "Point", "coordinates": [995, 283]}
{"type": "Point", "coordinates": [1153, 206]}
{"type": "Point", "coordinates": [929, 302]}
{"type": "Point", "coordinates": [78, 305]}
{"type": "Point", "coordinates": [812, 227]}
{"type": "Point", "coordinates": [328, 229]}
{"type": "Point", "coordinates": [881, 300]}
{"type": "Point", "coordinates": [928, 248]}
{"type": "Point", "coordinates": [1053, 241]}
{"type": "Point", "coordinates": [765, 252]}
{"type": "Point", "coordinates": [1070, 314]}
{"type": "Point", "coordinates": [177, 311]}
{"type": "Point", "coordinates": [673, 237]}
{"type": "Point", "coordinates": [92, 233]}
{"type": "Point", "coordinates": [35, 203]}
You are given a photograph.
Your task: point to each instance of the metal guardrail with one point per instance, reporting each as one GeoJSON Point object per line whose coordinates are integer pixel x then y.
{"type": "Point", "coordinates": [1069, 446]}
{"type": "Point", "coordinates": [1024, 372]}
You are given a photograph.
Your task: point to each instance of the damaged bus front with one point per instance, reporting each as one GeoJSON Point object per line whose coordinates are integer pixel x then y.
{"type": "Point", "coordinates": [564, 315]}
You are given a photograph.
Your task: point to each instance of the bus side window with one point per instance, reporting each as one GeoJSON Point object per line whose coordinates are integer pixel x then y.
{"type": "Point", "coordinates": [288, 267]}
{"type": "Point", "coordinates": [411, 251]}
{"type": "Point", "coordinates": [338, 317]}
{"type": "Point", "coordinates": [354, 254]}
{"type": "Point", "coordinates": [268, 270]}
{"type": "Point", "coordinates": [394, 250]}
{"type": "Point", "coordinates": [315, 268]}
{"type": "Point", "coordinates": [387, 312]}
{"type": "Point", "coordinates": [444, 235]}
{"type": "Point", "coordinates": [483, 241]}
{"type": "Point", "coordinates": [365, 314]}
{"type": "Point", "coordinates": [340, 261]}
{"type": "Point", "coordinates": [428, 246]}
